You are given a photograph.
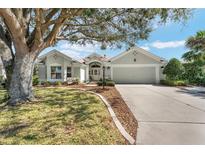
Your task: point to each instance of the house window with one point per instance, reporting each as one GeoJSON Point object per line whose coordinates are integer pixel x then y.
{"type": "Point", "coordinates": [56, 72]}
{"type": "Point", "coordinates": [69, 73]}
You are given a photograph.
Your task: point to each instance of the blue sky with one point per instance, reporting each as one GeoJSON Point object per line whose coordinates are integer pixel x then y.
{"type": "Point", "coordinates": [166, 41]}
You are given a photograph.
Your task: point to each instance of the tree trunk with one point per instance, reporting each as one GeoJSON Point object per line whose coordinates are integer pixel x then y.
{"type": "Point", "coordinates": [21, 80]}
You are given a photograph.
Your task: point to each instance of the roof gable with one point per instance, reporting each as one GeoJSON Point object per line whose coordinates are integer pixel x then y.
{"type": "Point", "coordinates": [140, 50]}
{"type": "Point", "coordinates": [94, 56]}
{"type": "Point", "coordinates": [59, 53]}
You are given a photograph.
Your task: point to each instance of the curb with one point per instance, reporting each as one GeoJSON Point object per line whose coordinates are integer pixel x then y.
{"type": "Point", "coordinates": [122, 130]}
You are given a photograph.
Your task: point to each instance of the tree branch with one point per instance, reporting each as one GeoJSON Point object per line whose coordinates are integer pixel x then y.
{"type": "Point", "coordinates": [14, 27]}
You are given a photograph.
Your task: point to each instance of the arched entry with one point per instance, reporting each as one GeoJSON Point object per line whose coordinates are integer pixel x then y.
{"type": "Point", "coordinates": [95, 71]}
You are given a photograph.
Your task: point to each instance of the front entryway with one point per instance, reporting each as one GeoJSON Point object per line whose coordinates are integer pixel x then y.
{"type": "Point", "coordinates": [95, 71]}
{"type": "Point", "coordinates": [95, 74]}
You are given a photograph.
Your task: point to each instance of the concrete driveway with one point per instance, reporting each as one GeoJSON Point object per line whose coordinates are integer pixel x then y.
{"type": "Point", "coordinates": [166, 115]}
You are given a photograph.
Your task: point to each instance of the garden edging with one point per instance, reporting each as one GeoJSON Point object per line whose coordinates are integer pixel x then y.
{"type": "Point", "coordinates": [122, 130]}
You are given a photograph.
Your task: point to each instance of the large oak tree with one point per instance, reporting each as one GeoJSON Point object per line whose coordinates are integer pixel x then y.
{"type": "Point", "coordinates": [24, 33]}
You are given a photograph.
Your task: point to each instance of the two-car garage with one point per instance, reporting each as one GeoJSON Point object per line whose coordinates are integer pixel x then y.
{"type": "Point", "coordinates": [135, 74]}
{"type": "Point", "coordinates": [137, 66]}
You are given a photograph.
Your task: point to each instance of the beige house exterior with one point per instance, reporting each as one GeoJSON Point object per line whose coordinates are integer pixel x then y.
{"type": "Point", "coordinates": [135, 65]}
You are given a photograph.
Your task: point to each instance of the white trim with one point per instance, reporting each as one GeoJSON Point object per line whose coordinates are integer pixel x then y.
{"type": "Point", "coordinates": [92, 61]}
{"type": "Point", "coordinates": [111, 72]}
{"type": "Point", "coordinates": [87, 73]}
{"type": "Point", "coordinates": [135, 65]}
{"type": "Point", "coordinates": [157, 74]}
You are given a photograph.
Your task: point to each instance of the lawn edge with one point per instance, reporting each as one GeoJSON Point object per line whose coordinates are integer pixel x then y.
{"type": "Point", "coordinates": [118, 124]}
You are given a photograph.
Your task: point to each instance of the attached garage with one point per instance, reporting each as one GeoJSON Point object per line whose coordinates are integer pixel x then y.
{"type": "Point", "coordinates": [135, 74]}
{"type": "Point", "coordinates": [137, 66]}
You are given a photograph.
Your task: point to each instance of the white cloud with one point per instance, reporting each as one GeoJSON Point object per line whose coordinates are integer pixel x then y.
{"type": "Point", "coordinates": [78, 51]}
{"type": "Point", "coordinates": [81, 48]}
{"type": "Point", "coordinates": [168, 44]}
{"type": "Point", "coordinates": [145, 47]}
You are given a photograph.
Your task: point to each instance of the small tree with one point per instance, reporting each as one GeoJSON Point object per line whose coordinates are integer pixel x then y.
{"type": "Point", "coordinates": [173, 70]}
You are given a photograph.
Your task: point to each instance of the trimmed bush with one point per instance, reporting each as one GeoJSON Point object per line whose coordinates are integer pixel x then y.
{"type": "Point", "coordinates": [110, 83]}
{"type": "Point", "coordinates": [58, 83]}
{"type": "Point", "coordinates": [173, 82]}
{"type": "Point", "coordinates": [174, 69]}
{"type": "Point", "coordinates": [76, 81]}
{"type": "Point", "coordinates": [47, 83]}
{"type": "Point", "coordinates": [35, 80]}
{"type": "Point", "coordinates": [2, 82]}
{"type": "Point", "coordinates": [107, 82]}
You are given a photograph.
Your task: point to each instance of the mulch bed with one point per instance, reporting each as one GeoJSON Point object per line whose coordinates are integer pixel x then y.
{"type": "Point", "coordinates": [118, 105]}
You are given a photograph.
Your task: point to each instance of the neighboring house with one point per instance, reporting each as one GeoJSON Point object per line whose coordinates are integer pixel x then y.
{"type": "Point", "coordinates": [135, 65]}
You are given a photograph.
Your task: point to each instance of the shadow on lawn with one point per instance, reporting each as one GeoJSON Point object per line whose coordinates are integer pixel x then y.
{"type": "Point", "coordinates": [79, 107]}
{"type": "Point", "coordinates": [13, 130]}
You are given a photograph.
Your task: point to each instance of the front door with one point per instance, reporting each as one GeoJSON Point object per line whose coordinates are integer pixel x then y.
{"type": "Point", "coordinates": [95, 74]}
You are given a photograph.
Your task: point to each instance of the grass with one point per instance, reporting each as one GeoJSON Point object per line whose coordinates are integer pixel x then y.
{"type": "Point", "coordinates": [61, 116]}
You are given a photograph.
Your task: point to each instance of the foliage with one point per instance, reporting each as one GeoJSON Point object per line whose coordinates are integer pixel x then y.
{"type": "Point", "coordinates": [196, 45]}
{"type": "Point", "coordinates": [203, 81]}
{"type": "Point", "coordinates": [76, 81]}
{"type": "Point", "coordinates": [1, 80]}
{"type": "Point", "coordinates": [174, 82]}
{"type": "Point", "coordinates": [107, 82]}
{"type": "Point", "coordinates": [174, 69]}
{"type": "Point", "coordinates": [193, 72]}
{"type": "Point", "coordinates": [35, 80]}
{"type": "Point", "coordinates": [35, 76]}
{"type": "Point", "coordinates": [58, 83]}
{"type": "Point", "coordinates": [195, 58]}
{"type": "Point", "coordinates": [47, 83]}
{"type": "Point", "coordinates": [61, 116]}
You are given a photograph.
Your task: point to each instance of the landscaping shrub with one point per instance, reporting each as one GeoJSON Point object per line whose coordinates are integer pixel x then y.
{"type": "Point", "coordinates": [193, 73]}
{"type": "Point", "coordinates": [47, 83]}
{"type": "Point", "coordinates": [1, 81]}
{"type": "Point", "coordinates": [107, 82]}
{"type": "Point", "coordinates": [173, 82]}
{"type": "Point", "coordinates": [35, 76]}
{"type": "Point", "coordinates": [35, 80]}
{"type": "Point", "coordinates": [58, 83]}
{"type": "Point", "coordinates": [76, 81]}
{"type": "Point", "coordinates": [110, 83]}
{"type": "Point", "coordinates": [202, 81]}
{"type": "Point", "coordinates": [173, 70]}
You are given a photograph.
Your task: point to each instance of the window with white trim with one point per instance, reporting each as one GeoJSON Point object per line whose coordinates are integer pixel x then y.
{"type": "Point", "coordinates": [56, 72]}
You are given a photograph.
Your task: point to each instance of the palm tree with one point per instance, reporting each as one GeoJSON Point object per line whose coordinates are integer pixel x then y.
{"type": "Point", "coordinates": [196, 44]}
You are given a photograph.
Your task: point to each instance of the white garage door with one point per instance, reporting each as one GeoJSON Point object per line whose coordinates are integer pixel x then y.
{"type": "Point", "coordinates": [134, 74]}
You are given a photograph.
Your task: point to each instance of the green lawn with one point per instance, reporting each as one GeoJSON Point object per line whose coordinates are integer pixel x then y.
{"type": "Point", "coordinates": [61, 116]}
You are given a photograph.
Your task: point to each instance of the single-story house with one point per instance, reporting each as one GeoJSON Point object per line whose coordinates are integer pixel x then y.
{"type": "Point", "coordinates": [134, 65]}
